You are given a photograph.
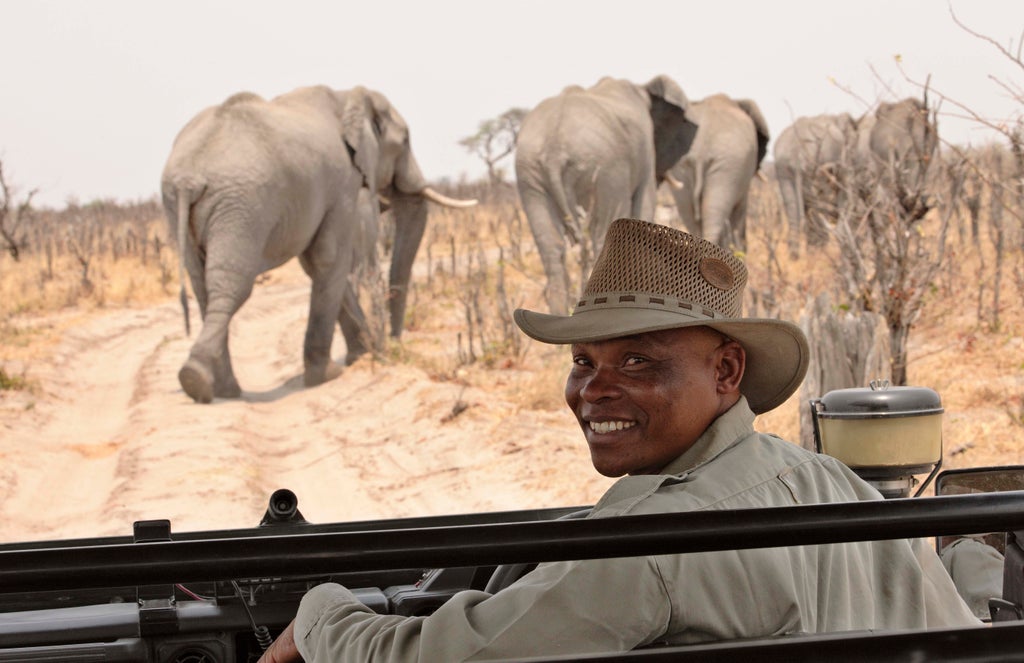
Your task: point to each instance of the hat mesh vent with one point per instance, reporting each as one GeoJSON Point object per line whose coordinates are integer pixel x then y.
{"type": "Point", "coordinates": [649, 258]}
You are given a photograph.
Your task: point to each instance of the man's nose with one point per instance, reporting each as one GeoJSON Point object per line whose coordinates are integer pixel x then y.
{"type": "Point", "coordinates": [602, 383]}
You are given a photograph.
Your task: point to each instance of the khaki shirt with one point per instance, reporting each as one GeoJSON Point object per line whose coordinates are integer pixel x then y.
{"type": "Point", "coordinates": [619, 604]}
{"type": "Point", "coordinates": [977, 572]}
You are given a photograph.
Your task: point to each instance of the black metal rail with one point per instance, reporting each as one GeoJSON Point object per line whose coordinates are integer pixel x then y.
{"type": "Point", "coordinates": [295, 553]}
{"type": "Point", "coordinates": [998, 643]}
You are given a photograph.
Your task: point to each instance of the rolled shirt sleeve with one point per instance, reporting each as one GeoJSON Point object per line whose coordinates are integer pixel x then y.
{"type": "Point", "coordinates": [559, 608]}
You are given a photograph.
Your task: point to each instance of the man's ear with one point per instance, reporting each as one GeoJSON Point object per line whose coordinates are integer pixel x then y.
{"type": "Point", "coordinates": [732, 361]}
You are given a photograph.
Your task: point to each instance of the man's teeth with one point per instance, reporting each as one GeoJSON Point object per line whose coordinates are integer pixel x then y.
{"type": "Point", "coordinates": [609, 426]}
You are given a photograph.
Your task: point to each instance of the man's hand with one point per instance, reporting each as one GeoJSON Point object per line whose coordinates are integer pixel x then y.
{"type": "Point", "coordinates": [283, 649]}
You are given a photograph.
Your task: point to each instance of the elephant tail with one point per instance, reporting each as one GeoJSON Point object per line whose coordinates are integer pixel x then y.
{"type": "Point", "coordinates": [698, 193]}
{"type": "Point", "coordinates": [566, 209]}
{"type": "Point", "coordinates": [184, 204]}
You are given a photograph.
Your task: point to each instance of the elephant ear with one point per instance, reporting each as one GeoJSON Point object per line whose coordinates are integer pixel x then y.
{"type": "Point", "coordinates": [664, 88]}
{"type": "Point", "coordinates": [397, 167]}
{"type": "Point", "coordinates": [360, 135]}
{"type": "Point", "coordinates": [673, 130]}
{"type": "Point", "coordinates": [751, 108]}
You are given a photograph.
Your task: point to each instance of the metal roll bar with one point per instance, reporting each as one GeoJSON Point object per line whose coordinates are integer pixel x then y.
{"type": "Point", "coordinates": [288, 551]}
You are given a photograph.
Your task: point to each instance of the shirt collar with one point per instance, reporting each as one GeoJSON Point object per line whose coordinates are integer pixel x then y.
{"type": "Point", "coordinates": [733, 424]}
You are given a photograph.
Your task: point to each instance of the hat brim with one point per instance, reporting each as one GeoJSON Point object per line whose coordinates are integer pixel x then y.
{"type": "Point", "coordinates": [777, 351]}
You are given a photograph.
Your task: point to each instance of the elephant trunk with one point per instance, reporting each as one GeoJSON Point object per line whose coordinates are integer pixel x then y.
{"type": "Point", "coordinates": [407, 176]}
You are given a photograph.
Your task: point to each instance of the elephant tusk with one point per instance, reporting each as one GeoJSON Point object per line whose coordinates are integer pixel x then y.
{"type": "Point", "coordinates": [442, 199]}
{"type": "Point", "coordinates": [761, 176]}
{"type": "Point", "coordinates": [383, 201]}
{"type": "Point", "coordinates": [673, 182]}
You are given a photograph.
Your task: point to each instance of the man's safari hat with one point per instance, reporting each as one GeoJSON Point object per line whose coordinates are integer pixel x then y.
{"type": "Point", "coordinates": [650, 277]}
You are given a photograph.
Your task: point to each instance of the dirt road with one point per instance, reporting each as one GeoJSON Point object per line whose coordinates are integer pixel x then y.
{"type": "Point", "coordinates": [113, 439]}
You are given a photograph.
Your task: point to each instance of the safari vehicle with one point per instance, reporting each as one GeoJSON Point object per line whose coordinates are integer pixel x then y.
{"type": "Point", "coordinates": [220, 596]}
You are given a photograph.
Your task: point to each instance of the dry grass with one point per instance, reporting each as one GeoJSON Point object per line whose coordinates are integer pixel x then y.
{"type": "Point", "coordinates": [45, 291]}
{"type": "Point", "coordinates": [476, 265]}
{"type": "Point", "coordinates": [25, 287]}
{"type": "Point", "coordinates": [977, 367]}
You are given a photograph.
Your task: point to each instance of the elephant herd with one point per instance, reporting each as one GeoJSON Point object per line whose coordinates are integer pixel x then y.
{"type": "Point", "coordinates": [589, 156]}
{"type": "Point", "coordinates": [897, 143]}
{"type": "Point", "coordinates": [252, 183]}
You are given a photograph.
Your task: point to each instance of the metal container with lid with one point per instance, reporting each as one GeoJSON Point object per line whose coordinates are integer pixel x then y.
{"type": "Point", "coordinates": [881, 432]}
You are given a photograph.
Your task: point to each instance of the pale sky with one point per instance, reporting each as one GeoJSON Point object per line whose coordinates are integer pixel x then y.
{"type": "Point", "coordinates": [94, 92]}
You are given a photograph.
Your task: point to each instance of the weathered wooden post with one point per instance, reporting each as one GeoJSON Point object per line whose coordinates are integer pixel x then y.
{"type": "Point", "coordinates": [848, 349]}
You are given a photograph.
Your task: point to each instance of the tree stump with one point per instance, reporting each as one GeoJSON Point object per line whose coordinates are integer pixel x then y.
{"type": "Point", "coordinates": [848, 350]}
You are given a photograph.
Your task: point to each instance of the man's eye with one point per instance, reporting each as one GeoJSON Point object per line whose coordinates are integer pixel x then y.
{"type": "Point", "coordinates": [634, 361]}
{"type": "Point", "coordinates": [581, 361]}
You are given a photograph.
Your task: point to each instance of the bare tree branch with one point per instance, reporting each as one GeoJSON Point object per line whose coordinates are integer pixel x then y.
{"type": "Point", "coordinates": [1003, 126]}
{"type": "Point", "coordinates": [11, 220]}
{"type": "Point", "coordinates": [494, 140]}
{"type": "Point", "coordinates": [1005, 51]}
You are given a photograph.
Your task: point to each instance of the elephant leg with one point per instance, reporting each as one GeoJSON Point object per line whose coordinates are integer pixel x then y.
{"type": "Point", "coordinates": [208, 373]}
{"type": "Point", "coordinates": [738, 225]}
{"type": "Point", "coordinates": [410, 214]}
{"type": "Point", "coordinates": [352, 322]}
{"type": "Point", "coordinates": [687, 208]}
{"type": "Point", "coordinates": [609, 204]}
{"type": "Point", "coordinates": [326, 295]}
{"type": "Point", "coordinates": [549, 235]}
{"type": "Point", "coordinates": [724, 211]}
{"type": "Point", "coordinates": [606, 210]}
{"type": "Point", "coordinates": [196, 375]}
{"type": "Point", "coordinates": [642, 204]}
{"type": "Point", "coordinates": [225, 385]}
{"type": "Point", "coordinates": [328, 261]}
{"type": "Point", "coordinates": [685, 202]}
{"type": "Point", "coordinates": [792, 206]}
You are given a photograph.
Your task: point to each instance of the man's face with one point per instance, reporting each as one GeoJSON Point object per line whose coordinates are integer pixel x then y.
{"type": "Point", "coordinates": [643, 400]}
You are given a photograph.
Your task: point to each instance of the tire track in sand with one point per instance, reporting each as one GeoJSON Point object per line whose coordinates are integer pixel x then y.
{"type": "Point", "coordinates": [114, 439]}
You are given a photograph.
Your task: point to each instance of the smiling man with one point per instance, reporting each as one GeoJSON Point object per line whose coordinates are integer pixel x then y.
{"type": "Point", "coordinates": [626, 393]}
{"type": "Point", "coordinates": [667, 378]}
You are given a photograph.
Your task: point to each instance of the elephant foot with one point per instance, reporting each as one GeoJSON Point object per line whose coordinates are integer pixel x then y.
{"type": "Point", "coordinates": [230, 390]}
{"type": "Point", "coordinates": [320, 374]}
{"type": "Point", "coordinates": [197, 381]}
{"type": "Point", "coordinates": [351, 357]}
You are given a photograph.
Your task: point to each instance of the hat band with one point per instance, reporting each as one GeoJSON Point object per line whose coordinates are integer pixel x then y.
{"type": "Point", "coordinates": [610, 300]}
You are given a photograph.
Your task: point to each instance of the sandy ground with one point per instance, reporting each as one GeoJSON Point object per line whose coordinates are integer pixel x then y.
{"type": "Point", "coordinates": [113, 439]}
{"type": "Point", "coordinates": [108, 437]}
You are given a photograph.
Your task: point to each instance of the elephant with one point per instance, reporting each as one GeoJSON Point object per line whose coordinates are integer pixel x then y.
{"type": "Point", "coordinates": [809, 155]}
{"type": "Point", "coordinates": [897, 143]}
{"type": "Point", "coordinates": [820, 160]}
{"type": "Point", "coordinates": [252, 183]}
{"type": "Point", "coordinates": [715, 173]}
{"type": "Point", "coordinates": [596, 154]}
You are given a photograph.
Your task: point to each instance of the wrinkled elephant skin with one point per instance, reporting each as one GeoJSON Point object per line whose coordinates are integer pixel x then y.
{"type": "Point", "coordinates": [807, 153]}
{"type": "Point", "coordinates": [900, 135]}
{"type": "Point", "coordinates": [251, 183]}
{"type": "Point", "coordinates": [895, 144]}
{"type": "Point", "coordinates": [715, 174]}
{"type": "Point", "coordinates": [588, 156]}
